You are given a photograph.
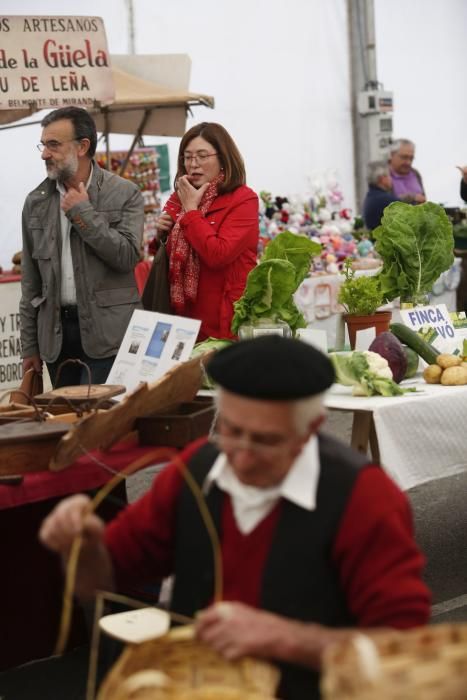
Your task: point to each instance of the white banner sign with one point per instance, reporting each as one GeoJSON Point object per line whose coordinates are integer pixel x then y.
{"type": "Point", "coordinates": [54, 62]}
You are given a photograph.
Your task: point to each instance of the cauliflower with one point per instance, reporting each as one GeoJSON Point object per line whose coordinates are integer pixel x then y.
{"type": "Point", "coordinates": [377, 364]}
{"type": "Point", "coordinates": [366, 372]}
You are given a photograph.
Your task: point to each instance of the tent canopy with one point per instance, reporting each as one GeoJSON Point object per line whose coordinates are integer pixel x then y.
{"type": "Point", "coordinates": [146, 107]}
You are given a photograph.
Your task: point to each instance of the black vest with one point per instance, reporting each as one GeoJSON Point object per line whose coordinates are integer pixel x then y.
{"type": "Point", "coordinates": [299, 579]}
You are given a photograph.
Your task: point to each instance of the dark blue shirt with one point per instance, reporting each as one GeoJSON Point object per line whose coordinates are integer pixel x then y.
{"type": "Point", "coordinates": [375, 202]}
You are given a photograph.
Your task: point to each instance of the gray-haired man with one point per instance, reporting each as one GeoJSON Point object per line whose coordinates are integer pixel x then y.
{"type": "Point", "coordinates": [406, 181]}
{"type": "Point", "coordinates": [379, 193]}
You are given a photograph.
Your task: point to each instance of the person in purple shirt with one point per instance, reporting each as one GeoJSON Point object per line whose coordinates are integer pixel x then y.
{"type": "Point", "coordinates": [379, 193]}
{"type": "Point", "coordinates": [407, 182]}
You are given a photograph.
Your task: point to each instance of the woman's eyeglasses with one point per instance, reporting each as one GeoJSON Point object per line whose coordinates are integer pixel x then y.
{"type": "Point", "coordinates": [200, 157]}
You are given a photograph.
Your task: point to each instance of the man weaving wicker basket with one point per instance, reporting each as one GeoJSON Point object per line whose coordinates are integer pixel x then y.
{"type": "Point", "coordinates": [314, 539]}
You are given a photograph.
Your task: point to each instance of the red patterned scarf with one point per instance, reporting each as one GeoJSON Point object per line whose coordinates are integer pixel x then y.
{"type": "Point", "coordinates": [184, 261]}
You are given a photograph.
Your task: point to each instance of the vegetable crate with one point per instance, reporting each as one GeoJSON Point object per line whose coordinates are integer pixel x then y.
{"type": "Point", "coordinates": [427, 663]}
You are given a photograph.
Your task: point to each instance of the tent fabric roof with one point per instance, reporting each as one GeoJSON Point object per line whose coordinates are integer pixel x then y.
{"type": "Point", "coordinates": [131, 90]}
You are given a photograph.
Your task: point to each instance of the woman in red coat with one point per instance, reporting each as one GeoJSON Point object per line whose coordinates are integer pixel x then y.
{"type": "Point", "coordinates": [212, 222]}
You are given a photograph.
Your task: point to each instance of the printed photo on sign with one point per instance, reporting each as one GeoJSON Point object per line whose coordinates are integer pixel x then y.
{"type": "Point", "coordinates": [158, 340]}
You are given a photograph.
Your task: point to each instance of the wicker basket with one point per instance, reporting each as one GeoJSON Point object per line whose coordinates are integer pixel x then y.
{"type": "Point", "coordinates": [428, 663]}
{"type": "Point", "coordinates": [190, 671]}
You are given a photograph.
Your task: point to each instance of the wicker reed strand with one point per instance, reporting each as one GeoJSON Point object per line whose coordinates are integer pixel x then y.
{"type": "Point", "coordinates": [161, 454]}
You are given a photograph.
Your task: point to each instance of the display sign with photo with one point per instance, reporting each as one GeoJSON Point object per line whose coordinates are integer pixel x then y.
{"type": "Point", "coordinates": [50, 62]}
{"type": "Point", "coordinates": [153, 344]}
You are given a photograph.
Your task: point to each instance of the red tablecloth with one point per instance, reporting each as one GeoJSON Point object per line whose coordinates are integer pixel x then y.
{"type": "Point", "coordinates": [83, 475]}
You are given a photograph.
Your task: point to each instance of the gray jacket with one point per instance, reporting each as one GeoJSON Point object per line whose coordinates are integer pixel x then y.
{"type": "Point", "coordinates": [105, 241]}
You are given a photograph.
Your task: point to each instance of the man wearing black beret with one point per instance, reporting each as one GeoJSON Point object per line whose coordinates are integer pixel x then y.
{"type": "Point", "coordinates": [315, 540]}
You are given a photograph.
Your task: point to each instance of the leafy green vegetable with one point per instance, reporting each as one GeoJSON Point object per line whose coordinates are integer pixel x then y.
{"type": "Point", "coordinates": [210, 344]}
{"type": "Point", "coordinates": [362, 295]}
{"type": "Point", "coordinates": [416, 245]}
{"type": "Point", "coordinates": [271, 284]}
{"type": "Point", "coordinates": [366, 372]}
{"type": "Point", "coordinates": [296, 249]}
{"type": "Point", "coordinates": [206, 346]}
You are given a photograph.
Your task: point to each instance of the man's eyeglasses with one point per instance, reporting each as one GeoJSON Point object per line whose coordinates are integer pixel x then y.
{"type": "Point", "coordinates": [262, 449]}
{"type": "Point", "coordinates": [53, 145]}
{"type": "Point", "coordinates": [200, 157]}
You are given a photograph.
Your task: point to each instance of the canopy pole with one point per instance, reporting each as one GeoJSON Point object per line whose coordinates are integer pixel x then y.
{"type": "Point", "coordinates": [138, 134]}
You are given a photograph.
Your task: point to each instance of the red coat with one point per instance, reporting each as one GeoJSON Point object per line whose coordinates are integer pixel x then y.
{"type": "Point", "coordinates": [226, 240]}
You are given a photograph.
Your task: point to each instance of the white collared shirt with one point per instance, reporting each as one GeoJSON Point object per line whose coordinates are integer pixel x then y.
{"type": "Point", "coordinates": [68, 286]}
{"type": "Point", "coordinates": [251, 504]}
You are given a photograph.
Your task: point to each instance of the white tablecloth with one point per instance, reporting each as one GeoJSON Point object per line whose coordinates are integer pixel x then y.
{"type": "Point", "coordinates": [421, 436]}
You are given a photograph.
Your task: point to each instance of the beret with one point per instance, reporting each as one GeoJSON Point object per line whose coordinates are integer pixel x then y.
{"type": "Point", "coordinates": [271, 367]}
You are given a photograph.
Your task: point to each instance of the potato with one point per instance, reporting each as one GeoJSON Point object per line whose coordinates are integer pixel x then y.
{"type": "Point", "coordinates": [454, 376]}
{"type": "Point", "coordinates": [446, 361]}
{"type": "Point", "coordinates": [432, 374]}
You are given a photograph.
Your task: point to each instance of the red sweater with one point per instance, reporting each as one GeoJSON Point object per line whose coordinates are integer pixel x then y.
{"type": "Point", "coordinates": [377, 559]}
{"type": "Point", "coordinates": [226, 240]}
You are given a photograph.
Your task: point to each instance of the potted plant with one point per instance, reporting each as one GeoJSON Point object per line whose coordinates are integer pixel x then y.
{"type": "Point", "coordinates": [361, 297]}
{"type": "Point", "coordinates": [416, 245]}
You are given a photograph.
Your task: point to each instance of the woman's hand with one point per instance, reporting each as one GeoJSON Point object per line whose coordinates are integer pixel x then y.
{"type": "Point", "coordinates": [164, 225]}
{"type": "Point", "coordinates": [463, 169]}
{"type": "Point", "coordinates": [188, 195]}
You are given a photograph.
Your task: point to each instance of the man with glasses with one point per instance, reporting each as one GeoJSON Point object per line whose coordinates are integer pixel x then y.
{"type": "Point", "coordinates": [313, 537]}
{"type": "Point", "coordinates": [407, 182]}
{"type": "Point", "coordinates": [82, 231]}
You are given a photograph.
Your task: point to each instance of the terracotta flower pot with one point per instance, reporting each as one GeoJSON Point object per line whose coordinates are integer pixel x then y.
{"type": "Point", "coordinates": [379, 320]}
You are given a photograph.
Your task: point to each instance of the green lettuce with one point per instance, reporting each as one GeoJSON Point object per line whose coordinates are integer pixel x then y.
{"type": "Point", "coordinates": [297, 249]}
{"type": "Point", "coordinates": [416, 244]}
{"type": "Point", "coordinates": [272, 283]}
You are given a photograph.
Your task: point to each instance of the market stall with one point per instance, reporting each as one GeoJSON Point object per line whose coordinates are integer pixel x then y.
{"type": "Point", "coordinates": [321, 216]}
{"type": "Point", "coordinates": [317, 299]}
